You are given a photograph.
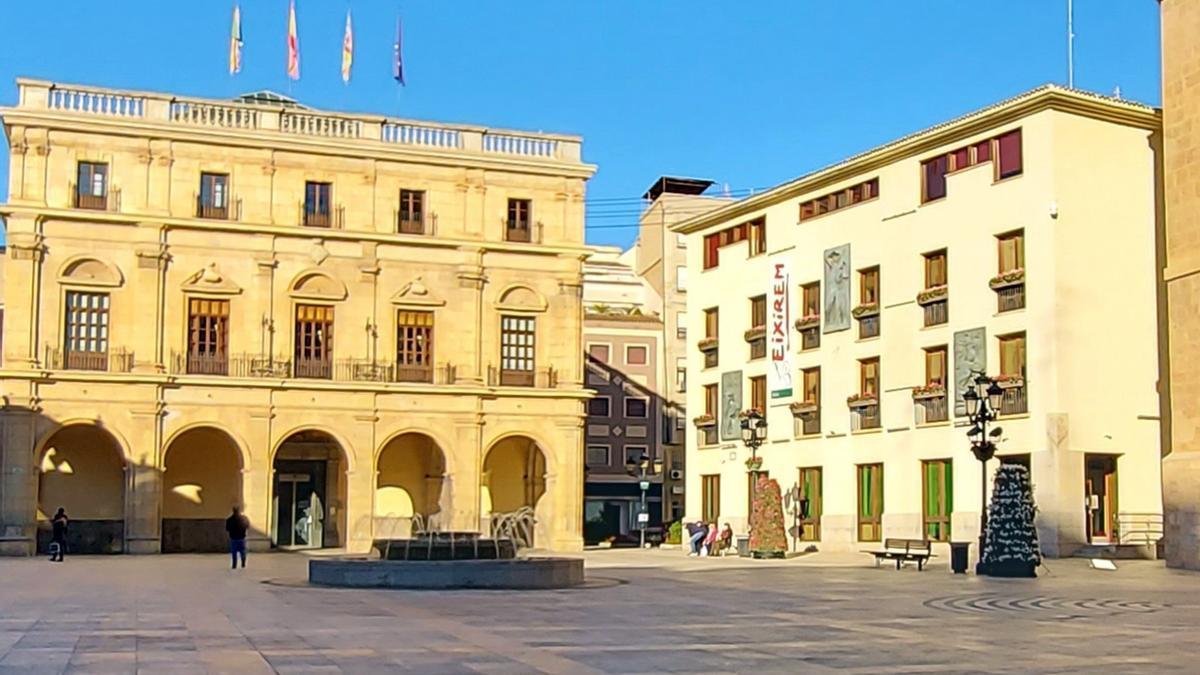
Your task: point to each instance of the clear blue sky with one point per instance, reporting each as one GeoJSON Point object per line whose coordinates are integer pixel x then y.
{"type": "Point", "coordinates": [745, 93]}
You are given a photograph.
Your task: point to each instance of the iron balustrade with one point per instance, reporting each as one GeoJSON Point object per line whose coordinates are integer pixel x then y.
{"type": "Point", "coordinates": [931, 409]}
{"type": "Point", "coordinates": [864, 417]}
{"type": "Point", "coordinates": [937, 312]}
{"type": "Point", "coordinates": [111, 361]}
{"type": "Point", "coordinates": [1011, 297]}
{"type": "Point", "coordinates": [1014, 401]}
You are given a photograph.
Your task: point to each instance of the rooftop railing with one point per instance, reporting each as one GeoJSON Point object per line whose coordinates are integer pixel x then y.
{"type": "Point", "coordinates": [154, 107]}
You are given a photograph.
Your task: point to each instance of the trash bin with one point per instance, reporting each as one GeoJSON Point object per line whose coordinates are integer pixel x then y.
{"type": "Point", "coordinates": [743, 546]}
{"type": "Point", "coordinates": [959, 553]}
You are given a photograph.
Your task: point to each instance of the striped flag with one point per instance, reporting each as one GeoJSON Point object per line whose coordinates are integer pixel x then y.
{"type": "Point", "coordinates": [235, 42]}
{"type": "Point", "coordinates": [398, 61]}
{"type": "Point", "coordinates": [293, 44]}
{"type": "Point", "coordinates": [347, 50]}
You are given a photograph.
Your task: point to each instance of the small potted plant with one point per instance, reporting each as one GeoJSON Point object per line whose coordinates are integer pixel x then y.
{"type": "Point", "coordinates": [748, 412]}
{"type": "Point", "coordinates": [865, 310]}
{"type": "Point", "coordinates": [808, 321]}
{"type": "Point", "coordinates": [932, 295]}
{"type": "Point", "coordinates": [931, 390]}
{"type": "Point", "coordinates": [1009, 381]}
{"type": "Point", "coordinates": [862, 400]}
{"type": "Point", "coordinates": [754, 464]}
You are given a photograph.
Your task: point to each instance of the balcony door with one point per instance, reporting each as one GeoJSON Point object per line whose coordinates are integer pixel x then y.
{"type": "Point", "coordinates": [314, 341]}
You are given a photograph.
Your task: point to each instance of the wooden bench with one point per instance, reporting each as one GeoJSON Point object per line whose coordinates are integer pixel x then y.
{"type": "Point", "coordinates": [904, 550]}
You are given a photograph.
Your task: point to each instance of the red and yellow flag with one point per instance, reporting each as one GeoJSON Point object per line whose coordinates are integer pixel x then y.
{"type": "Point", "coordinates": [347, 50]}
{"type": "Point", "coordinates": [293, 44]}
{"type": "Point", "coordinates": [235, 42]}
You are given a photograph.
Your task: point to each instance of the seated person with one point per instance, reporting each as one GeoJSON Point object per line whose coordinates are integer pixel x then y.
{"type": "Point", "coordinates": [725, 539]}
{"type": "Point", "coordinates": [710, 540]}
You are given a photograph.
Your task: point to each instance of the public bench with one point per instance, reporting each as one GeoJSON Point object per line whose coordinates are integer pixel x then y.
{"type": "Point", "coordinates": [904, 550]}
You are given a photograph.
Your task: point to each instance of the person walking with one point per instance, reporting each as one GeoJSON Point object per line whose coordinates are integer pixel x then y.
{"type": "Point", "coordinates": [58, 532]}
{"type": "Point", "coordinates": [236, 525]}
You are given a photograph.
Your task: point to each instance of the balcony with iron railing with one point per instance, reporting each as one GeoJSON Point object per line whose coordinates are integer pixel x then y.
{"type": "Point", "coordinates": [1010, 298]}
{"type": "Point", "coordinates": [82, 199]}
{"type": "Point", "coordinates": [806, 416]}
{"type": "Point", "coordinates": [239, 117]}
{"type": "Point", "coordinates": [407, 223]}
{"type": "Point", "coordinates": [227, 210]}
{"type": "Point", "coordinates": [541, 378]}
{"type": "Point", "coordinates": [522, 231]}
{"type": "Point", "coordinates": [110, 361]}
{"type": "Point", "coordinates": [930, 405]}
{"type": "Point", "coordinates": [334, 218]}
{"type": "Point", "coordinates": [1014, 401]}
{"type": "Point", "coordinates": [864, 413]}
{"type": "Point", "coordinates": [338, 370]}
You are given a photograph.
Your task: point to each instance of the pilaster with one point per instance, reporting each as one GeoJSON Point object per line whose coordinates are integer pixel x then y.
{"type": "Point", "coordinates": [143, 473]}
{"type": "Point", "coordinates": [18, 494]}
{"type": "Point", "coordinates": [256, 479]}
{"type": "Point", "coordinates": [22, 295]}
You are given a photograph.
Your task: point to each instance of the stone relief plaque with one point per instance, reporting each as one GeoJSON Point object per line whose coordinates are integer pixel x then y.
{"type": "Point", "coordinates": [837, 289]}
{"type": "Point", "coordinates": [970, 356]}
{"type": "Point", "coordinates": [731, 405]}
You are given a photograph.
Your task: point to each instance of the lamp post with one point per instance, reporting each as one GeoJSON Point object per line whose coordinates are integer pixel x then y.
{"type": "Point", "coordinates": [983, 401]}
{"type": "Point", "coordinates": [638, 466]}
{"type": "Point", "coordinates": [754, 434]}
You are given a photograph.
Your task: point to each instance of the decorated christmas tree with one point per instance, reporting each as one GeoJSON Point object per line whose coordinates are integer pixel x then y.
{"type": "Point", "coordinates": [1012, 541]}
{"type": "Point", "coordinates": [767, 539]}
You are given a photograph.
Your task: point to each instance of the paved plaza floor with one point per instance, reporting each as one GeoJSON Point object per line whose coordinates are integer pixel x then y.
{"type": "Point", "coordinates": [641, 612]}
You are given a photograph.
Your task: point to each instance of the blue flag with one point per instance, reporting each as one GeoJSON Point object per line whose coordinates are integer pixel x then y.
{"type": "Point", "coordinates": [398, 60]}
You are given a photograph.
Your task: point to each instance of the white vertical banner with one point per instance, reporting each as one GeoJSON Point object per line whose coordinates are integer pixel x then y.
{"type": "Point", "coordinates": [779, 336]}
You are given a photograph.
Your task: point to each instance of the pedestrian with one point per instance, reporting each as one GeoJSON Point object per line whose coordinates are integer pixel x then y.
{"type": "Point", "coordinates": [236, 525]}
{"type": "Point", "coordinates": [58, 538]}
{"type": "Point", "coordinates": [696, 534]}
{"type": "Point", "coordinates": [710, 541]}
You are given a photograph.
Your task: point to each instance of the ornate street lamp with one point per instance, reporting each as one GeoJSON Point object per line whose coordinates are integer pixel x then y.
{"type": "Point", "coordinates": [754, 434]}
{"type": "Point", "coordinates": [983, 402]}
{"type": "Point", "coordinates": [639, 466]}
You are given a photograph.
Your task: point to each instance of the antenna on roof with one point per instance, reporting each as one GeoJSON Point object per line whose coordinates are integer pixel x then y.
{"type": "Point", "coordinates": [1071, 44]}
{"type": "Point", "coordinates": [1117, 92]}
{"type": "Point", "coordinates": [727, 189]}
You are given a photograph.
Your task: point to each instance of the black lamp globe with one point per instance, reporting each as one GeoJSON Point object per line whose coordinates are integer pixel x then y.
{"type": "Point", "coordinates": [995, 396]}
{"type": "Point", "coordinates": [971, 398]}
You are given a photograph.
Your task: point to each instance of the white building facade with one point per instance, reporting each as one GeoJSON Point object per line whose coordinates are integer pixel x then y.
{"type": "Point", "coordinates": [1018, 241]}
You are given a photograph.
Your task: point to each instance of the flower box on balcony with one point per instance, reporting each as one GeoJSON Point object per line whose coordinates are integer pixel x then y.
{"type": "Point", "coordinates": [931, 295]}
{"type": "Point", "coordinates": [749, 411]}
{"type": "Point", "coordinates": [756, 333]}
{"type": "Point", "coordinates": [865, 310]}
{"type": "Point", "coordinates": [810, 321]}
{"type": "Point", "coordinates": [1011, 278]}
{"type": "Point", "coordinates": [862, 400]}
{"type": "Point", "coordinates": [707, 344]}
{"type": "Point", "coordinates": [1009, 381]}
{"type": "Point", "coordinates": [704, 420]}
{"type": "Point", "coordinates": [929, 391]}
{"type": "Point", "coordinates": [804, 407]}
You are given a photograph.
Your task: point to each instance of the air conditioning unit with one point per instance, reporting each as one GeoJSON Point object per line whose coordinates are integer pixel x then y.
{"type": "Point", "coordinates": [676, 474]}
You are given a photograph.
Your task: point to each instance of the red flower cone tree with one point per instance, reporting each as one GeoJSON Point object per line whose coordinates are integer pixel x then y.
{"type": "Point", "coordinates": [767, 538]}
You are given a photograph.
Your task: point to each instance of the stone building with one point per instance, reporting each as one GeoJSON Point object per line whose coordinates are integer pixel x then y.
{"type": "Point", "coordinates": [1018, 241]}
{"type": "Point", "coordinates": [350, 325]}
{"type": "Point", "coordinates": [1181, 175]}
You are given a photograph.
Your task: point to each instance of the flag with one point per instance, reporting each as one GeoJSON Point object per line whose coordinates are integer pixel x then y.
{"type": "Point", "coordinates": [293, 44]}
{"type": "Point", "coordinates": [398, 61]}
{"type": "Point", "coordinates": [347, 50]}
{"type": "Point", "coordinates": [235, 42]}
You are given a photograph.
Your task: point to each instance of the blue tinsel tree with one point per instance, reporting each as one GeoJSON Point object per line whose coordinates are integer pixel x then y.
{"type": "Point", "coordinates": [1011, 534]}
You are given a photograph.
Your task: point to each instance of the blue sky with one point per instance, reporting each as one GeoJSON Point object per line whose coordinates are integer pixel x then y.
{"type": "Point", "coordinates": [748, 94]}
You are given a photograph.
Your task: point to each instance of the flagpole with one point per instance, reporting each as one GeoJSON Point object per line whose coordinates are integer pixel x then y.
{"type": "Point", "coordinates": [1070, 44]}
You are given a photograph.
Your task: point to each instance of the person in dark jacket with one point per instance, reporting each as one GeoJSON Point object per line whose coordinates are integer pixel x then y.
{"type": "Point", "coordinates": [236, 525]}
{"type": "Point", "coordinates": [58, 535]}
{"type": "Point", "coordinates": [696, 534]}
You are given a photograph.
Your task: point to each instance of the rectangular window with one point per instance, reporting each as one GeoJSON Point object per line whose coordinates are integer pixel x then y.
{"type": "Point", "coordinates": [1008, 150]}
{"type": "Point", "coordinates": [868, 371]}
{"type": "Point", "coordinates": [809, 422]}
{"type": "Point", "coordinates": [935, 269]}
{"type": "Point", "coordinates": [840, 199]}
{"type": "Point", "coordinates": [597, 455]}
{"type": "Point", "coordinates": [938, 504]}
{"type": "Point", "coordinates": [208, 337]}
{"type": "Point", "coordinates": [214, 196]}
{"type": "Point", "coordinates": [870, 502]}
{"type": "Point", "coordinates": [810, 311]}
{"type": "Point", "coordinates": [812, 385]}
{"type": "Point", "coordinates": [517, 227]}
{"type": "Point", "coordinates": [412, 212]}
{"type": "Point", "coordinates": [414, 346]}
{"type": "Point", "coordinates": [810, 503]}
{"type": "Point", "coordinates": [635, 455]}
{"type": "Point", "coordinates": [710, 332]}
{"type": "Point", "coordinates": [637, 407]}
{"type": "Point", "coordinates": [681, 278]}
{"type": "Point", "coordinates": [517, 342]}
{"type": "Point", "coordinates": [681, 373]}
{"type": "Point", "coordinates": [960, 159]}
{"type": "Point", "coordinates": [934, 178]}
{"type": "Point", "coordinates": [599, 406]}
{"type": "Point", "coordinates": [1012, 355]}
{"type": "Point", "coordinates": [812, 298]}
{"type": "Point", "coordinates": [598, 352]}
{"type": "Point", "coordinates": [758, 236]}
{"type": "Point", "coordinates": [758, 320]}
{"type": "Point", "coordinates": [983, 151]}
{"type": "Point", "coordinates": [758, 393]}
{"type": "Point", "coordinates": [1012, 251]}
{"type": "Point", "coordinates": [86, 331]}
{"type": "Point", "coordinates": [317, 206]}
{"type": "Point", "coordinates": [869, 285]}
{"type": "Point", "coordinates": [636, 355]}
{"type": "Point", "coordinates": [91, 190]}
{"type": "Point", "coordinates": [681, 325]}
{"type": "Point", "coordinates": [711, 401]}
{"type": "Point", "coordinates": [712, 251]}
{"type": "Point", "coordinates": [935, 366]}
{"type": "Point", "coordinates": [314, 341]}
{"type": "Point", "coordinates": [710, 498]}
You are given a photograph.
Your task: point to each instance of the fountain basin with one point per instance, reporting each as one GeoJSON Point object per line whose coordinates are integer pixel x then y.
{"type": "Point", "coordinates": [518, 573]}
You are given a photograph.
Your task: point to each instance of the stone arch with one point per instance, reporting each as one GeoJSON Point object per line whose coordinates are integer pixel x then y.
{"type": "Point", "coordinates": [521, 298]}
{"type": "Point", "coordinates": [515, 469]}
{"type": "Point", "coordinates": [410, 484]}
{"type": "Point", "coordinates": [202, 480]}
{"type": "Point", "coordinates": [309, 485]}
{"type": "Point", "coordinates": [317, 285]}
{"type": "Point", "coordinates": [84, 270]}
{"type": "Point", "coordinates": [82, 468]}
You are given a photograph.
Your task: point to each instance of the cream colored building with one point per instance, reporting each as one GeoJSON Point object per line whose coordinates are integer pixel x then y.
{"type": "Point", "coordinates": [341, 322]}
{"type": "Point", "coordinates": [1018, 240]}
